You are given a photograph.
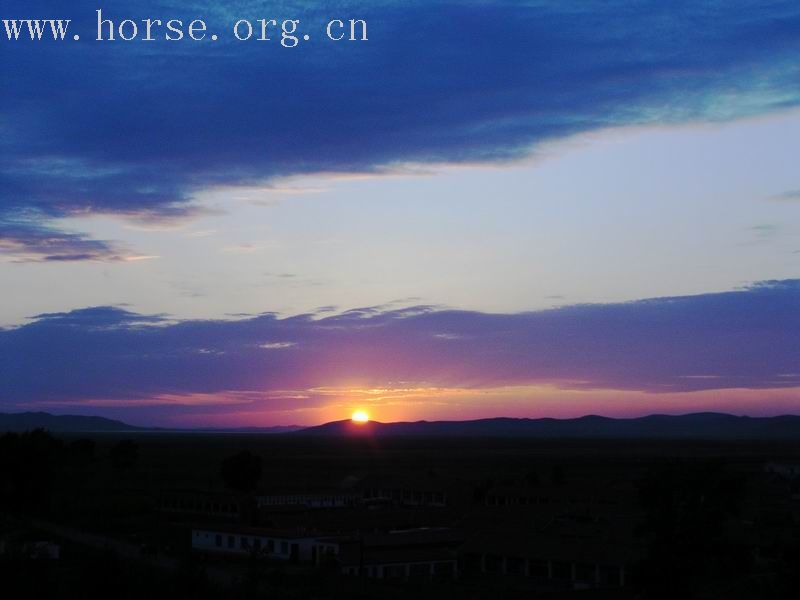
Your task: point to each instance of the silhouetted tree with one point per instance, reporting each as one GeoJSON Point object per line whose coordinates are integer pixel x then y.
{"type": "Point", "coordinates": [124, 455]}
{"type": "Point", "coordinates": [241, 471]}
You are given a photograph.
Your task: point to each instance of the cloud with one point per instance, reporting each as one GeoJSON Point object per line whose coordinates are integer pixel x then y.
{"type": "Point", "coordinates": [746, 338]}
{"type": "Point", "coordinates": [98, 318]}
{"type": "Point", "coordinates": [764, 232]}
{"type": "Point", "coordinates": [787, 196]}
{"type": "Point", "coordinates": [24, 241]}
{"type": "Point", "coordinates": [138, 129]}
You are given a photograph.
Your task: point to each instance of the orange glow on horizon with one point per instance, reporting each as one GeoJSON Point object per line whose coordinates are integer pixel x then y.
{"type": "Point", "coordinates": [314, 406]}
{"type": "Point", "coordinates": [360, 416]}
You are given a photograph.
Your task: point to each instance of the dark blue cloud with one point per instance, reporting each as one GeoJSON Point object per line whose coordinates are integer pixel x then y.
{"type": "Point", "coordinates": [741, 339]}
{"type": "Point", "coordinates": [137, 128]}
{"type": "Point", "coordinates": [98, 318]}
{"type": "Point", "coordinates": [31, 242]}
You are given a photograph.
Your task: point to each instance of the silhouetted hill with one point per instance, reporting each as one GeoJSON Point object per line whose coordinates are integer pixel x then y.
{"type": "Point", "coordinates": [80, 424]}
{"type": "Point", "coordinates": [696, 426]}
{"type": "Point", "coordinates": [67, 423]}
{"type": "Point", "coordinates": [716, 426]}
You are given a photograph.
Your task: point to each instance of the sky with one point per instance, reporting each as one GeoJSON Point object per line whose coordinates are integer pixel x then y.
{"type": "Point", "coordinates": [487, 209]}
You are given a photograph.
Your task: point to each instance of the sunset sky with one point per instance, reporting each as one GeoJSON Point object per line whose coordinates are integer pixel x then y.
{"type": "Point", "coordinates": [490, 208]}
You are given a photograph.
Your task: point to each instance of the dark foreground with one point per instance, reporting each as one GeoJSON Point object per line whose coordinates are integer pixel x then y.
{"type": "Point", "coordinates": [245, 516]}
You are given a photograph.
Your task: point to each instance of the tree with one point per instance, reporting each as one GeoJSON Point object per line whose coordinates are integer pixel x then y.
{"type": "Point", "coordinates": [241, 471]}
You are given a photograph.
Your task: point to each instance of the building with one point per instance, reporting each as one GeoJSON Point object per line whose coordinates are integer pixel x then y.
{"type": "Point", "coordinates": [417, 554]}
{"type": "Point", "coordinates": [425, 490]}
{"type": "Point", "coordinates": [196, 504]}
{"type": "Point", "coordinates": [785, 470]}
{"type": "Point", "coordinates": [294, 546]}
{"type": "Point", "coordinates": [552, 552]}
{"type": "Point", "coordinates": [322, 499]}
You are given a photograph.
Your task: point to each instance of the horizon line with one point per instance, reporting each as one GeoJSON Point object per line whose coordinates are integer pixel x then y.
{"type": "Point", "coordinates": [298, 427]}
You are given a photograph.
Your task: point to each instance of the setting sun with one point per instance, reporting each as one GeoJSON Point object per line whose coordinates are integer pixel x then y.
{"type": "Point", "coordinates": [360, 416]}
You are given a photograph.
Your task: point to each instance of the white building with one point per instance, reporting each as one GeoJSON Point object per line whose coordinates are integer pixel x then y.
{"type": "Point", "coordinates": [310, 500]}
{"type": "Point", "coordinates": [289, 546]}
{"type": "Point", "coordinates": [412, 554]}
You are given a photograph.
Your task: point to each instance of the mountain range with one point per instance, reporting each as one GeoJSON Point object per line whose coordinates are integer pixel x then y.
{"type": "Point", "coordinates": [62, 423]}
{"type": "Point", "coordinates": [694, 426]}
{"type": "Point", "coordinates": [718, 426]}
{"type": "Point", "coordinates": [88, 424]}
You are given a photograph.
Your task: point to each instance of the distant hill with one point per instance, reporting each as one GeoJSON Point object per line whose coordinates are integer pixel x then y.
{"type": "Point", "coordinates": [692, 426]}
{"type": "Point", "coordinates": [65, 423]}
{"type": "Point", "coordinates": [710, 426]}
{"type": "Point", "coordinates": [82, 424]}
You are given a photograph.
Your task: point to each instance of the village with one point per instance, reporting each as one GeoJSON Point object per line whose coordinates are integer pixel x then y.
{"type": "Point", "coordinates": [476, 517]}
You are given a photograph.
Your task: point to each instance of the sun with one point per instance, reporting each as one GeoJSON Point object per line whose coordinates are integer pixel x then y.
{"type": "Point", "coordinates": [360, 416]}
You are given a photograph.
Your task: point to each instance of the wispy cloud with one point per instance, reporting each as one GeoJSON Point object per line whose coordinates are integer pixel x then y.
{"type": "Point", "coordinates": [764, 232]}
{"type": "Point", "coordinates": [787, 196]}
